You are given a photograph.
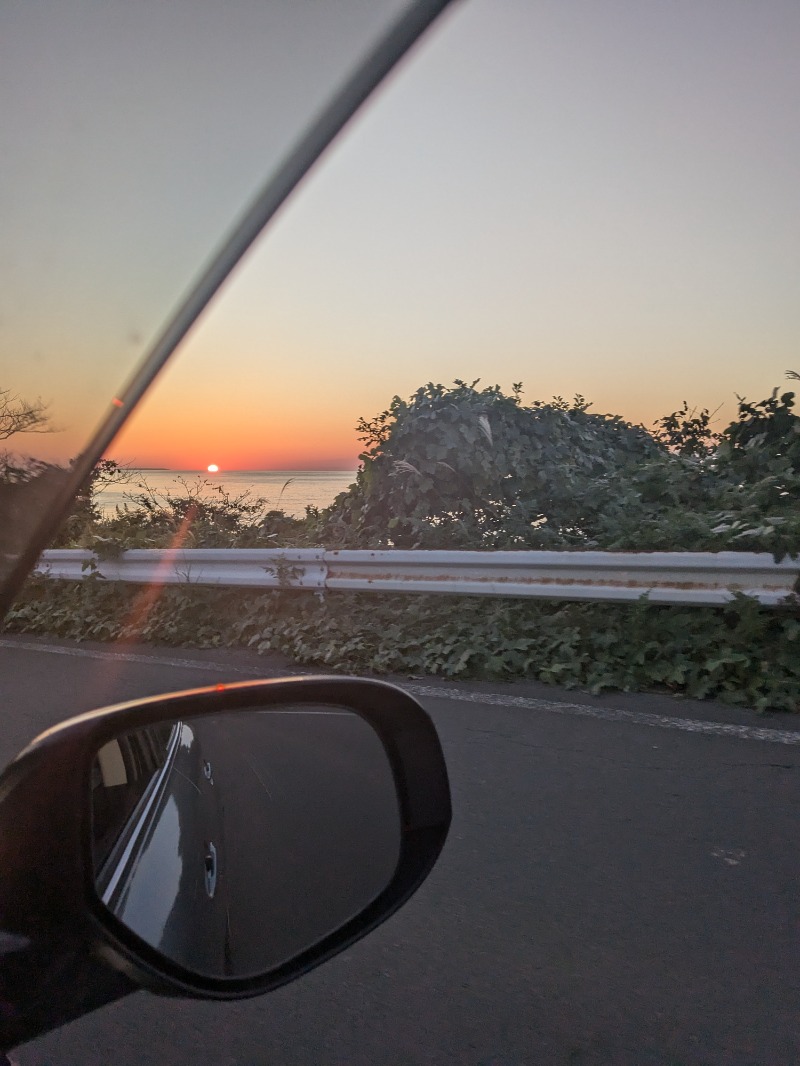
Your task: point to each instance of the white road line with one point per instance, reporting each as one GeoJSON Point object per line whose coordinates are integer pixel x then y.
{"type": "Point", "coordinates": [612, 714]}
{"type": "Point", "coordinates": [126, 657]}
{"type": "Point", "coordinates": [581, 710]}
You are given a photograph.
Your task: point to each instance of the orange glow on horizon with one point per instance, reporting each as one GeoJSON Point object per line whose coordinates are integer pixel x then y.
{"type": "Point", "coordinates": [163, 435]}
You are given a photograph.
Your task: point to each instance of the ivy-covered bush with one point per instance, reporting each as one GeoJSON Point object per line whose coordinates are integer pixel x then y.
{"type": "Point", "coordinates": [469, 468]}
{"type": "Point", "coordinates": [739, 653]}
{"type": "Point", "coordinates": [463, 467]}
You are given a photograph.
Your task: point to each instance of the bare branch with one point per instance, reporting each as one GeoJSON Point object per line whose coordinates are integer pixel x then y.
{"type": "Point", "coordinates": [22, 416]}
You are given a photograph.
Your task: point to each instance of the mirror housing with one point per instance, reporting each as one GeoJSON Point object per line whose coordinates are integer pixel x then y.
{"type": "Point", "coordinates": [63, 953]}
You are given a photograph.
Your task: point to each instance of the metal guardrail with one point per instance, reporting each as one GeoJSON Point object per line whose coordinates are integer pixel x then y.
{"type": "Point", "coordinates": [683, 578]}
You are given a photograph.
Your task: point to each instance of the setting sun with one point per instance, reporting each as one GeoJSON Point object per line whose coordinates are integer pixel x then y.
{"type": "Point", "coordinates": [212, 468]}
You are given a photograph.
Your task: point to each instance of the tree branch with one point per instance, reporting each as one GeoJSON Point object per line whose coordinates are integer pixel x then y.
{"type": "Point", "coordinates": [22, 416]}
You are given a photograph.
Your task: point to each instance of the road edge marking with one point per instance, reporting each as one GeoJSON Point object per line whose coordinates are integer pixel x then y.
{"type": "Point", "coordinates": [580, 710]}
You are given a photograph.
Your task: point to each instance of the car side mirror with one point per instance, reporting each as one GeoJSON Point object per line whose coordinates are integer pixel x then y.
{"type": "Point", "coordinates": [216, 843]}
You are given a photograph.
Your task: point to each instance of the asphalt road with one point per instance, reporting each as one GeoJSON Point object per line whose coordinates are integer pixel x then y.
{"type": "Point", "coordinates": [619, 886]}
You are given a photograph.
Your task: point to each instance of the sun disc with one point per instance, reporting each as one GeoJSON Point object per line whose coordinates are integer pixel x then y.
{"type": "Point", "coordinates": [212, 468]}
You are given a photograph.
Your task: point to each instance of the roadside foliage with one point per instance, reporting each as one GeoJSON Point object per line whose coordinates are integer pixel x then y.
{"type": "Point", "coordinates": [476, 469]}
{"type": "Point", "coordinates": [463, 467]}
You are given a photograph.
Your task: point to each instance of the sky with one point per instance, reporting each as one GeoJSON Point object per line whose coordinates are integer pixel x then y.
{"type": "Point", "coordinates": [593, 198]}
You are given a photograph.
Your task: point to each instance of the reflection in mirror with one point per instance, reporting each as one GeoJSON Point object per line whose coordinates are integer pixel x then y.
{"type": "Point", "coordinates": [234, 842]}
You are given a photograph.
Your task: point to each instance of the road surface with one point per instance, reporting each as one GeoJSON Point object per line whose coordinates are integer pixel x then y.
{"type": "Point", "coordinates": [620, 885]}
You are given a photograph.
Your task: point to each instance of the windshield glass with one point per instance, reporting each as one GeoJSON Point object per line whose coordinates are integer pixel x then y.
{"type": "Point", "coordinates": [133, 136]}
{"type": "Point", "coordinates": [500, 407]}
{"type": "Point", "coordinates": [547, 235]}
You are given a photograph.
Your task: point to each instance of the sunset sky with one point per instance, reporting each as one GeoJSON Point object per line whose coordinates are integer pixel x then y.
{"type": "Point", "coordinates": [594, 198]}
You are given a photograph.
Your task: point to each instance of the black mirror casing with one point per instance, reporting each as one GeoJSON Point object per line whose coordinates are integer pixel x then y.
{"type": "Point", "coordinates": [63, 954]}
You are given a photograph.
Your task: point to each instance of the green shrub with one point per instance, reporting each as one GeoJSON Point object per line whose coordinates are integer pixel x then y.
{"type": "Point", "coordinates": [739, 653]}
{"type": "Point", "coordinates": [462, 467]}
{"type": "Point", "coordinates": [475, 469]}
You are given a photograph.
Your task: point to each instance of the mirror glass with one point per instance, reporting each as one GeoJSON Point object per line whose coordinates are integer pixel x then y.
{"type": "Point", "coordinates": [233, 842]}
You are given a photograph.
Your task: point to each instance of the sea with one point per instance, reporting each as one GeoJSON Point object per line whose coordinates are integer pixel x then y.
{"type": "Point", "coordinates": [284, 490]}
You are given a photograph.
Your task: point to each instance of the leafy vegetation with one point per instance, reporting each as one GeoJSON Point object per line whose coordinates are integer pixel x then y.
{"type": "Point", "coordinates": [464, 467]}
{"type": "Point", "coordinates": [468, 467]}
{"type": "Point", "coordinates": [740, 653]}
{"type": "Point", "coordinates": [194, 515]}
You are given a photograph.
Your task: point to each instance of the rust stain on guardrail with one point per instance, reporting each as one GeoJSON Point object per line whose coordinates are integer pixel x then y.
{"type": "Point", "coordinates": [344, 573]}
